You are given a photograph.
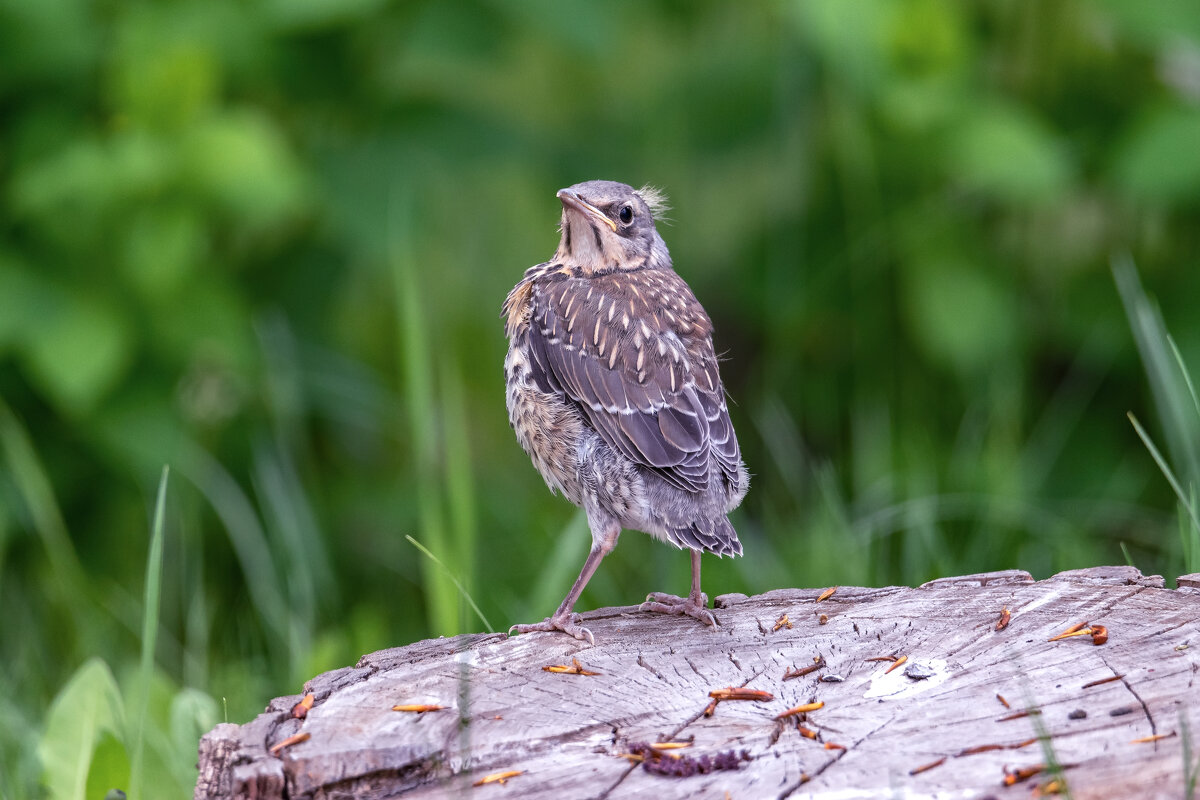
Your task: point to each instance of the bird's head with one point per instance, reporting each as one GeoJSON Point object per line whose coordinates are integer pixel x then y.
{"type": "Point", "coordinates": [608, 226]}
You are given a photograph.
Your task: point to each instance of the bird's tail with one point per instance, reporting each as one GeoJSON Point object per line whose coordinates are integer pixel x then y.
{"type": "Point", "coordinates": [714, 535]}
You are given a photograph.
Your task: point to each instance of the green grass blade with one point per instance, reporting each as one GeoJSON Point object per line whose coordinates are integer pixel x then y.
{"type": "Point", "coordinates": [295, 540]}
{"type": "Point", "coordinates": [449, 575]}
{"type": "Point", "coordinates": [416, 366]}
{"type": "Point", "coordinates": [250, 544]}
{"type": "Point", "coordinates": [1053, 765]}
{"type": "Point", "coordinates": [1128, 558]}
{"type": "Point", "coordinates": [1165, 468]}
{"type": "Point", "coordinates": [154, 567]}
{"type": "Point", "coordinates": [1189, 764]}
{"type": "Point", "coordinates": [1187, 377]}
{"type": "Point", "coordinates": [33, 485]}
{"type": "Point", "coordinates": [558, 570]}
{"type": "Point", "coordinates": [19, 763]}
{"type": "Point", "coordinates": [1189, 535]}
{"type": "Point", "coordinates": [460, 482]}
{"type": "Point", "coordinates": [1168, 379]}
{"type": "Point", "coordinates": [1045, 739]}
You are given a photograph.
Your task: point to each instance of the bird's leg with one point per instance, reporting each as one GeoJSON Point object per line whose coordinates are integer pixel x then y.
{"type": "Point", "coordinates": [565, 619]}
{"type": "Point", "coordinates": [694, 605]}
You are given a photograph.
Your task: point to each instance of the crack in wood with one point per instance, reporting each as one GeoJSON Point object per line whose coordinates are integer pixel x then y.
{"type": "Point", "coordinates": [641, 662]}
{"type": "Point", "coordinates": [1138, 697]}
{"type": "Point", "coordinates": [603, 795]}
{"type": "Point", "coordinates": [1163, 631]}
{"type": "Point", "coordinates": [423, 774]}
{"type": "Point", "coordinates": [673, 736]}
{"type": "Point", "coordinates": [1108, 607]}
{"type": "Point", "coordinates": [834, 760]}
{"type": "Point", "coordinates": [773, 739]}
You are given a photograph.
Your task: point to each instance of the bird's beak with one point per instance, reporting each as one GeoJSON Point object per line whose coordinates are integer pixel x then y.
{"type": "Point", "coordinates": [571, 200]}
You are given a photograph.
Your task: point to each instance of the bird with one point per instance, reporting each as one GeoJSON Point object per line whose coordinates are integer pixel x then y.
{"type": "Point", "coordinates": [613, 390]}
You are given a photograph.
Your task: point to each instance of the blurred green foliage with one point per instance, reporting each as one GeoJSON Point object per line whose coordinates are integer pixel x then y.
{"type": "Point", "coordinates": [266, 243]}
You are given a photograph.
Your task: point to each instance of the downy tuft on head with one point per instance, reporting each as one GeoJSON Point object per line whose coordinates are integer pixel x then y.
{"type": "Point", "coordinates": [657, 200]}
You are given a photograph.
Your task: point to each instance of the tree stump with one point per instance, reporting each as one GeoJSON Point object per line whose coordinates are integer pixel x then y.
{"type": "Point", "coordinates": [973, 710]}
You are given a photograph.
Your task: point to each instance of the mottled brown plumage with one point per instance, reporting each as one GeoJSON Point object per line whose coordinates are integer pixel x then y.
{"type": "Point", "coordinates": [614, 391]}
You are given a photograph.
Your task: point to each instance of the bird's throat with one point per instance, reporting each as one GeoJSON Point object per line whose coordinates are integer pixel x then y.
{"type": "Point", "coordinates": [585, 246]}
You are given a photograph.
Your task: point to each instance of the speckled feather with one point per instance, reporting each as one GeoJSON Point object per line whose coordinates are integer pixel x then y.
{"type": "Point", "coordinates": [634, 352]}
{"type": "Point", "coordinates": [614, 392]}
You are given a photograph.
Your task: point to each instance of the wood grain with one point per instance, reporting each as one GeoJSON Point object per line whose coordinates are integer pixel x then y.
{"type": "Point", "coordinates": [565, 732]}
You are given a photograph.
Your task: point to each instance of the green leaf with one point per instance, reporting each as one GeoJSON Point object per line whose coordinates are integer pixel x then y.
{"type": "Point", "coordinates": [316, 14]}
{"type": "Point", "coordinates": [78, 174]}
{"type": "Point", "coordinates": [849, 35]}
{"type": "Point", "coordinates": [959, 314]}
{"type": "Point", "coordinates": [163, 245]}
{"type": "Point", "coordinates": [57, 40]}
{"type": "Point", "coordinates": [78, 352]}
{"type": "Point", "coordinates": [242, 162]}
{"type": "Point", "coordinates": [20, 300]}
{"type": "Point", "coordinates": [86, 178]}
{"type": "Point", "coordinates": [1154, 22]}
{"type": "Point", "coordinates": [927, 37]}
{"type": "Point", "coordinates": [1157, 162]}
{"type": "Point", "coordinates": [109, 772]}
{"type": "Point", "coordinates": [206, 319]}
{"type": "Point", "coordinates": [192, 714]}
{"type": "Point", "coordinates": [159, 78]}
{"type": "Point", "coordinates": [1009, 154]}
{"type": "Point", "coordinates": [86, 708]}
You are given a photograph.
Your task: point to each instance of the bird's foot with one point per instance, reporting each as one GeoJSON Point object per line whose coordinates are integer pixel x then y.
{"type": "Point", "coordinates": [670, 604]}
{"type": "Point", "coordinates": [567, 623]}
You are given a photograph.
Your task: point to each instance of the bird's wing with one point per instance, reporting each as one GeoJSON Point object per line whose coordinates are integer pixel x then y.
{"type": "Point", "coordinates": [634, 352]}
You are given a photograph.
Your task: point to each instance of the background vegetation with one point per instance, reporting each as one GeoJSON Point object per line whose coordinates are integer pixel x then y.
{"type": "Point", "coordinates": [265, 243]}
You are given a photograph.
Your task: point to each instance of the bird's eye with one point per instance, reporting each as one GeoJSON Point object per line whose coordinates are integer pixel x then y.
{"type": "Point", "coordinates": [626, 215]}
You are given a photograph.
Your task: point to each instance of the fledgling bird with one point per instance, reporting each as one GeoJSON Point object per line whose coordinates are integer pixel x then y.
{"type": "Point", "coordinates": [613, 391]}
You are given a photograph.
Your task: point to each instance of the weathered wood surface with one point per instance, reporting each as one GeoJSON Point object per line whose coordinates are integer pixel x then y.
{"type": "Point", "coordinates": [566, 732]}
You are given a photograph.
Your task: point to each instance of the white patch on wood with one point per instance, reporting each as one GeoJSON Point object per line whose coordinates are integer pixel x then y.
{"type": "Point", "coordinates": [1048, 597]}
{"type": "Point", "coordinates": [895, 685]}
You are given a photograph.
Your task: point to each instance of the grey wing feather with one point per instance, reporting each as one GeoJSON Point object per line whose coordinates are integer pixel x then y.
{"type": "Point", "coordinates": [666, 421]}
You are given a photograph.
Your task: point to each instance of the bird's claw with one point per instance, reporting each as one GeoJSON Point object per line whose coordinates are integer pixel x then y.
{"type": "Point", "coordinates": [568, 623]}
{"type": "Point", "coordinates": [663, 603]}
